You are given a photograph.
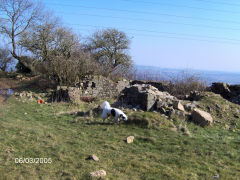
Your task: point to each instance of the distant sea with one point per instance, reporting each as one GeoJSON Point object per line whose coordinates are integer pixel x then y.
{"type": "Point", "coordinates": [208, 76]}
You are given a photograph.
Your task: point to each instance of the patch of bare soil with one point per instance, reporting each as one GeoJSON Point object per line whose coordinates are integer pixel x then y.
{"type": "Point", "coordinates": [31, 84]}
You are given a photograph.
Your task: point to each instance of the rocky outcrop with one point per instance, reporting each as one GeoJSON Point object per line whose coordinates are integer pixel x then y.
{"type": "Point", "coordinates": [229, 92]}
{"type": "Point", "coordinates": [201, 118]}
{"type": "Point", "coordinates": [221, 88]}
{"type": "Point", "coordinates": [145, 97]}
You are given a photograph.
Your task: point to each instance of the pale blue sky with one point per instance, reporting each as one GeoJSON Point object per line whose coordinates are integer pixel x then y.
{"type": "Point", "coordinates": [189, 34]}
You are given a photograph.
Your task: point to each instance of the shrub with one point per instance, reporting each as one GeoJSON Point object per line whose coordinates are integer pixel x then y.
{"type": "Point", "coordinates": [184, 83]}
{"type": "Point", "coordinates": [178, 85]}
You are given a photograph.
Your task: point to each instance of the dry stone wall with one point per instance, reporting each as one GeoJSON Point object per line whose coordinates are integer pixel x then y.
{"type": "Point", "coordinates": [97, 87]}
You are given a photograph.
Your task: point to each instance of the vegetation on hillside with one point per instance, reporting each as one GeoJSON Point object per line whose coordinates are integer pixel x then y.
{"type": "Point", "coordinates": [161, 149]}
{"type": "Point", "coordinates": [42, 45]}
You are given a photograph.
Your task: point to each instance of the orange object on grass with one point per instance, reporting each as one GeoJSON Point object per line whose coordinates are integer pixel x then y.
{"type": "Point", "coordinates": [40, 101]}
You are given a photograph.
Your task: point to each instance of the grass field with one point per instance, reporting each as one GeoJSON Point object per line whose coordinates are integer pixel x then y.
{"type": "Point", "coordinates": [30, 130]}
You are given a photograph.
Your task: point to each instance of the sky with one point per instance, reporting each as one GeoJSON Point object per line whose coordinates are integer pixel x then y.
{"type": "Point", "coordinates": [186, 34]}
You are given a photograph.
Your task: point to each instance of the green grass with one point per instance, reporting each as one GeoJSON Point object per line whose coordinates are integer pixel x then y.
{"type": "Point", "coordinates": [156, 153]}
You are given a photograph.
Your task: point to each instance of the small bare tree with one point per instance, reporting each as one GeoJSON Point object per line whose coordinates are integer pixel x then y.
{"type": "Point", "coordinates": [49, 39]}
{"type": "Point", "coordinates": [69, 71]}
{"type": "Point", "coordinates": [17, 17]}
{"type": "Point", "coordinates": [59, 52]}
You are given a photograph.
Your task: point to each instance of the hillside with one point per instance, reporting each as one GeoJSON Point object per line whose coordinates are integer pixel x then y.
{"type": "Point", "coordinates": [163, 148]}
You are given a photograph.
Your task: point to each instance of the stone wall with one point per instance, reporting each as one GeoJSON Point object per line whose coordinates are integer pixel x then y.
{"type": "Point", "coordinates": [159, 85]}
{"type": "Point", "coordinates": [101, 86]}
{"type": "Point", "coordinates": [98, 87]}
{"type": "Point", "coordinates": [229, 92]}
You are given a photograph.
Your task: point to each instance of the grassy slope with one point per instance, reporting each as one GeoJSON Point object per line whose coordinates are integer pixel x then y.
{"type": "Point", "coordinates": [157, 153]}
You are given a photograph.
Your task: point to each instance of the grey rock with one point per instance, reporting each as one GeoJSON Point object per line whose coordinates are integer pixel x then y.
{"type": "Point", "coordinates": [201, 118]}
{"type": "Point", "coordinates": [190, 106]}
{"type": "Point", "coordinates": [130, 139]}
{"type": "Point", "coordinates": [146, 97]}
{"type": "Point", "coordinates": [216, 176]}
{"type": "Point", "coordinates": [177, 105]}
{"type": "Point", "coordinates": [195, 96]}
{"type": "Point", "coordinates": [94, 157]}
{"type": "Point", "coordinates": [100, 173]}
{"type": "Point", "coordinates": [218, 106]}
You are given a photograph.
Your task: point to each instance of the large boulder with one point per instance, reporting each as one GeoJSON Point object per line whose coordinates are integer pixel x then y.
{"type": "Point", "coordinates": [229, 92]}
{"type": "Point", "coordinates": [201, 118]}
{"type": "Point", "coordinates": [144, 96]}
{"type": "Point", "coordinates": [221, 88]}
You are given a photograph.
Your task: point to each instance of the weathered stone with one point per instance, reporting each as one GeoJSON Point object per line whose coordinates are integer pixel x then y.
{"type": "Point", "coordinates": [159, 85]}
{"type": "Point", "coordinates": [218, 106]}
{"type": "Point", "coordinates": [189, 106]}
{"type": "Point", "coordinates": [221, 88]}
{"type": "Point", "coordinates": [180, 114]}
{"type": "Point", "coordinates": [201, 117]}
{"type": "Point", "coordinates": [195, 96]}
{"type": "Point", "coordinates": [145, 96]}
{"type": "Point", "coordinates": [94, 157]}
{"type": "Point", "coordinates": [130, 139]}
{"type": "Point", "coordinates": [161, 104]}
{"type": "Point", "coordinates": [177, 105]}
{"type": "Point", "coordinates": [100, 173]}
{"type": "Point", "coordinates": [96, 86]}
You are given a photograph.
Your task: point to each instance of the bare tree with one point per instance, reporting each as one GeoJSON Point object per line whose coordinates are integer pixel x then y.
{"type": "Point", "coordinates": [17, 17]}
{"type": "Point", "coordinates": [5, 59]}
{"type": "Point", "coordinates": [70, 71]}
{"type": "Point", "coordinates": [59, 52]}
{"type": "Point", "coordinates": [49, 39]}
{"type": "Point", "coordinates": [110, 48]}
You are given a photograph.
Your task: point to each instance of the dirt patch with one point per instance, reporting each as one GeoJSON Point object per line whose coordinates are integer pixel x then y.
{"type": "Point", "coordinates": [36, 83]}
{"type": "Point", "coordinates": [7, 83]}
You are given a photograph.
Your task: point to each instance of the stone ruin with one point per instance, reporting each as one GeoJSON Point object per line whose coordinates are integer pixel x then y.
{"type": "Point", "coordinates": [145, 97]}
{"type": "Point", "coordinates": [229, 92]}
{"type": "Point", "coordinates": [148, 98]}
{"type": "Point", "coordinates": [89, 88]}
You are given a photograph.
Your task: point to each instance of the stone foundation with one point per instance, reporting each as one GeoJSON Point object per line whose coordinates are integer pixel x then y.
{"type": "Point", "coordinates": [97, 87]}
